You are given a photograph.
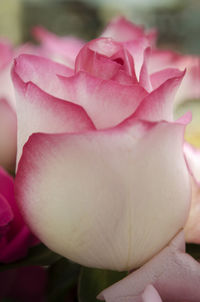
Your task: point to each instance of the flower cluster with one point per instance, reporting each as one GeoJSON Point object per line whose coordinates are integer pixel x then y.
{"type": "Point", "coordinates": [108, 158]}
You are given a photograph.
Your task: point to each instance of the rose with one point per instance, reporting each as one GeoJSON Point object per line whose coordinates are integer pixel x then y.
{"type": "Point", "coordinates": [15, 236]}
{"type": "Point", "coordinates": [99, 183]}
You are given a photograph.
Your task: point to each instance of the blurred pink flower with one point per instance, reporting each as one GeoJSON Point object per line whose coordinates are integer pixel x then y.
{"type": "Point", "coordinates": [15, 237]}
{"type": "Point", "coordinates": [60, 49]}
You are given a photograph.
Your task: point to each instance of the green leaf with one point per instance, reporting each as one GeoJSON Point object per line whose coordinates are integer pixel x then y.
{"type": "Point", "coordinates": [37, 255]}
{"type": "Point", "coordinates": [63, 277]}
{"type": "Point", "coordinates": [93, 281]}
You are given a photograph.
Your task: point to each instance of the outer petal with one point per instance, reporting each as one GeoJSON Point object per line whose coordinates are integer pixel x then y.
{"type": "Point", "coordinates": [40, 71]}
{"type": "Point", "coordinates": [150, 295]}
{"type": "Point", "coordinates": [158, 105]}
{"type": "Point", "coordinates": [107, 103]}
{"type": "Point", "coordinates": [159, 77]}
{"type": "Point", "coordinates": [192, 228]}
{"type": "Point", "coordinates": [123, 30]}
{"type": "Point", "coordinates": [8, 135]}
{"type": "Point", "coordinates": [92, 197]}
{"type": "Point", "coordinates": [60, 49]}
{"type": "Point", "coordinates": [169, 59]}
{"type": "Point", "coordinates": [193, 159]}
{"type": "Point", "coordinates": [174, 274]}
{"type": "Point", "coordinates": [46, 113]}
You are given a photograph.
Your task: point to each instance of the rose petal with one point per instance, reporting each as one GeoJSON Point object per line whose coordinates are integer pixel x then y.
{"type": "Point", "coordinates": [41, 71]}
{"type": "Point", "coordinates": [174, 274]}
{"type": "Point", "coordinates": [107, 103]}
{"type": "Point", "coordinates": [46, 113]}
{"type": "Point", "coordinates": [192, 228]}
{"type": "Point", "coordinates": [144, 78]}
{"type": "Point", "coordinates": [60, 49]}
{"type": "Point", "coordinates": [122, 30]}
{"type": "Point", "coordinates": [158, 105]}
{"type": "Point", "coordinates": [161, 76]}
{"type": "Point", "coordinates": [105, 58]}
{"type": "Point", "coordinates": [92, 197]}
{"type": "Point", "coordinates": [137, 49]}
{"type": "Point", "coordinates": [150, 295]}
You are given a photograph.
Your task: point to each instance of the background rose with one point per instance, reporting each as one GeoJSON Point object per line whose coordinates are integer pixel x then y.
{"type": "Point", "coordinates": [105, 132]}
{"type": "Point", "coordinates": [15, 235]}
{"type": "Point", "coordinates": [59, 49]}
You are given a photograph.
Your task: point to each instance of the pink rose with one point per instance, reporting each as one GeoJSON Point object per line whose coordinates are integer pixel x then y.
{"type": "Point", "coordinates": [122, 30]}
{"type": "Point", "coordinates": [60, 49]}
{"type": "Point", "coordinates": [101, 168]}
{"type": "Point", "coordinates": [15, 235]}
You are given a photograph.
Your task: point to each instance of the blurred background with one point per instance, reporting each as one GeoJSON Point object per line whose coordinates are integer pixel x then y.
{"type": "Point", "coordinates": [178, 21]}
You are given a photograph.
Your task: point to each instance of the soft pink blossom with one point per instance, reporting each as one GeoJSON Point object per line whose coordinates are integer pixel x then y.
{"type": "Point", "coordinates": [15, 238]}
{"type": "Point", "coordinates": [97, 177]}
{"type": "Point", "coordinates": [60, 49]}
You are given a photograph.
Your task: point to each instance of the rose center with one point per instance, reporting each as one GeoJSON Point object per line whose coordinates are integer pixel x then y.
{"type": "Point", "coordinates": [119, 61]}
